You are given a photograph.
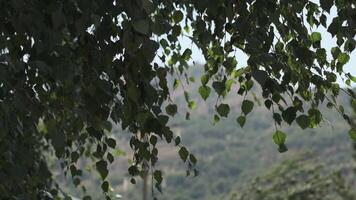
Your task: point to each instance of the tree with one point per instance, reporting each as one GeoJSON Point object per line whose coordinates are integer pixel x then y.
{"type": "Point", "coordinates": [69, 69]}
{"type": "Point", "coordinates": [302, 177]}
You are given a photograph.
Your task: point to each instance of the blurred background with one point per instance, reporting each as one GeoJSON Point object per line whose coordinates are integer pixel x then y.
{"type": "Point", "coordinates": [235, 163]}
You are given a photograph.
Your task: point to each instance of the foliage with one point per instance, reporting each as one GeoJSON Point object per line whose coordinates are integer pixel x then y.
{"type": "Point", "coordinates": [68, 69]}
{"type": "Point", "coordinates": [229, 157]}
{"type": "Point", "coordinates": [303, 177]}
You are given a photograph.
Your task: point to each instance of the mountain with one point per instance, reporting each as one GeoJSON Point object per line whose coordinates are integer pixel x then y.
{"type": "Point", "coordinates": [229, 157]}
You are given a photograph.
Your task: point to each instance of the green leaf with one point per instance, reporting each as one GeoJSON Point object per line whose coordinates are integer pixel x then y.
{"type": "Point", "coordinates": [101, 167]}
{"type": "Point", "coordinates": [223, 110]}
{"type": "Point", "coordinates": [73, 170]}
{"type": "Point", "coordinates": [110, 157]}
{"type": "Point", "coordinates": [141, 26]}
{"type": "Point", "coordinates": [204, 79]}
{"type": "Point", "coordinates": [335, 51]}
{"type": "Point", "coordinates": [183, 153]}
{"type": "Point", "coordinates": [289, 115]}
{"type": "Point", "coordinates": [171, 109]}
{"type": "Point", "coordinates": [268, 103]}
{"type": "Point", "coordinates": [163, 42]}
{"type": "Point", "coordinates": [177, 140]}
{"type": "Point", "coordinates": [315, 37]}
{"type": "Point", "coordinates": [249, 85]}
{"type": "Point", "coordinates": [352, 78]}
{"type": "Point", "coordinates": [241, 120]}
{"type": "Point", "coordinates": [76, 182]}
{"type": "Point", "coordinates": [352, 134]}
{"type": "Point", "coordinates": [277, 118]}
{"type": "Point", "coordinates": [237, 73]}
{"type": "Point", "coordinates": [303, 121]}
{"type": "Point", "coordinates": [247, 106]}
{"type": "Point", "coordinates": [186, 96]}
{"type": "Point", "coordinates": [153, 140]}
{"type": "Point", "coordinates": [133, 171]}
{"type": "Point", "coordinates": [176, 30]}
{"type": "Point", "coordinates": [216, 119]}
{"type": "Point", "coordinates": [192, 159]}
{"type": "Point", "coordinates": [219, 87]}
{"type": "Point", "coordinates": [41, 127]}
{"type": "Point", "coordinates": [323, 20]}
{"type": "Point", "coordinates": [163, 119]}
{"type": "Point", "coordinates": [105, 186]}
{"type": "Point", "coordinates": [230, 64]}
{"type": "Point", "coordinates": [178, 16]}
{"type": "Point", "coordinates": [279, 137]}
{"type": "Point", "coordinates": [187, 54]}
{"type": "Point", "coordinates": [192, 79]}
{"type": "Point", "coordinates": [192, 105]}
{"type": "Point", "coordinates": [229, 84]}
{"type": "Point", "coordinates": [282, 148]}
{"type": "Point", "coordinates": [187, 115]}
{"type": "Point", "coordinates": [157, 175]}
{"type": "Point", "coordinates": [315, 117]}
{"type": "Point", "coordinates": [353, 105]}
{"type": "Point", "coordinates": [204, 91]}
{"type": "Point", "coordinates": [176, 84]}
{"type": "Point", "coordinates": [350, 45]}
{"type": "Point", "coordinates": [343, 58]}
{"type": "Point", "coordinates": [186, 29]}
{"type": "Point", "coordinates": [111, 142]}
{"type": "Point", "coordinates": [260, 76]}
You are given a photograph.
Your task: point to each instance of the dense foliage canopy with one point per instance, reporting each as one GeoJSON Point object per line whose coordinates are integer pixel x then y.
{"type": "Point", "coordinates": [69, 69]}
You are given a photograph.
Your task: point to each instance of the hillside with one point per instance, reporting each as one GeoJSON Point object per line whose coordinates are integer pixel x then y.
{"type": "Point", "coordinates": [228, 156]}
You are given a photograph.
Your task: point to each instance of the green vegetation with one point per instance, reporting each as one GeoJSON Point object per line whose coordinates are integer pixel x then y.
{"type": "Point", "coordinates": [230, 158]}
{"type": "Point", "coordinates": [72, 70]}
{"type": "Point", "coordinates": [302, 178]}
